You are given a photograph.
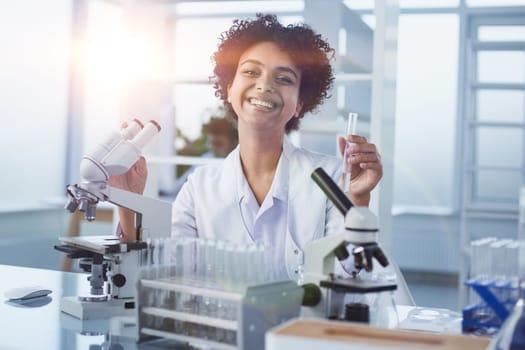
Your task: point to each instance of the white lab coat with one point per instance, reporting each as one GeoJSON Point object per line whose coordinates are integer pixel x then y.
{"type": "Point", "coordinates": [208, 204]}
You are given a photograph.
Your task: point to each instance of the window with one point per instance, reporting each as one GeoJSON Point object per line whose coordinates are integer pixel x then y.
{"type": "Point", "coordinates": [501, 33]}
{"type": "Point", "coordinates": [105, 72]}
{"type": "Point", "coordinates": [501, 66]}
{"type": "Point", "coordinates": [495, 122]}
{"type": "Point", "coordinates": [34, 73]}
{"type": "Point", "coordinates": [426, 110]}
{"type": "Point", "coordinates": [481, 3]}
{"type": "Point", "coordinates": [490, 104]}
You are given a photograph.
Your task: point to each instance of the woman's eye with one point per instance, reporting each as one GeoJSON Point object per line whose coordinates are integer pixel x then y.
{"type": "Point", "coordinates": [284, 79]}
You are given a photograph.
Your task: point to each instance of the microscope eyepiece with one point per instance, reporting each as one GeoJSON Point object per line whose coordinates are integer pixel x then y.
{"type": "Point", "coordinates": [332, 191]}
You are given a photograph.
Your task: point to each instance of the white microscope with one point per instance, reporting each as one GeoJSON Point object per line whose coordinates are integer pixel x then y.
{"type": "Point", "coordinates": [114, 265]}
{"type": "Point", "coordinates": [325, 291]}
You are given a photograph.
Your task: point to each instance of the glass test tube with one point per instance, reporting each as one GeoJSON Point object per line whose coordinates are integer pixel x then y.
{"type": "Point", "coordinates": [512, 263]}
{"type": "Point", "coordinates": [475, 269]}
{"type": "Point", "coordinates": [521, 216]}
{"type": "Point", "coordinates": [521, 259]}
{"type": "Point", "coordinates": [230, 265]}
{"type": "Point", "coordinates": [498, 252]}
{"type": "Point", "coordinates": [350, 130]}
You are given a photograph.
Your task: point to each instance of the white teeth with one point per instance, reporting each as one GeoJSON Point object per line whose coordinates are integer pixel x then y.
{"type": "Point", "coordinates": [260, 103]}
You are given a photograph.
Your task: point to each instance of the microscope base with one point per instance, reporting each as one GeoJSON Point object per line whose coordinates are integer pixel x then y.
{"type": "Point", "coordinates": [86, 310]}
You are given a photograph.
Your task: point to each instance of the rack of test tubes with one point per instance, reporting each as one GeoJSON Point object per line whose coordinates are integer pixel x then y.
{"type": "Point", "coordinates": [212, 294]}
{"type": "Point", "coordinates": [496, 266]}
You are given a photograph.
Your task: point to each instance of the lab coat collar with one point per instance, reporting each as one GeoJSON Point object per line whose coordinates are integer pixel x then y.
{"type": "Point", "coordinates": [280, 184]}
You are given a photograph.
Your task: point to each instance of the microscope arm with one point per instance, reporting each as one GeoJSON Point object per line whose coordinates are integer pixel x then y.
{"type": "Point", "coordinates": [361, 229]}
{"type": "Point", "coordinates": [319, 257]}
{"type": "Point", "coordinates": [152, 216]}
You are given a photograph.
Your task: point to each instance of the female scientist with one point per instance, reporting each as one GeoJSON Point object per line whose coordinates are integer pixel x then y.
{"type": "Point", "coordinates": [269, 76]}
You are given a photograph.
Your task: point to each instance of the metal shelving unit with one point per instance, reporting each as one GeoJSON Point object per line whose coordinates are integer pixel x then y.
{"type": "Point", "coordinates": [478, 201]}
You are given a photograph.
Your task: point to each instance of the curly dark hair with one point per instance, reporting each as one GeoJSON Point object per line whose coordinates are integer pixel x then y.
{"type": "Point", "coordinates": [308, 50]}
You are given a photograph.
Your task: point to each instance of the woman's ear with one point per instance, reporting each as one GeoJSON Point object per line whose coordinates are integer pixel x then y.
{"type": "Point", "coordinates": [298, 109]}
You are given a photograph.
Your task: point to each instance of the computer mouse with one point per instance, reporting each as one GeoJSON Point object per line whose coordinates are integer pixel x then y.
{"type": "Point", "coordinates": [26, 293]}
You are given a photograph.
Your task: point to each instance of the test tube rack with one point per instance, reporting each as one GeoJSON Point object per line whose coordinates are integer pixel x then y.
{"type": "Point", "coordinates": [497, 300]}
{"type": "Point", "coordinates": [169, 308]}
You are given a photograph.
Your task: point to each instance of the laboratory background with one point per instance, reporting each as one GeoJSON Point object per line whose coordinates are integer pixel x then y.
{"type": "Point", "coordinates": [438, 86]}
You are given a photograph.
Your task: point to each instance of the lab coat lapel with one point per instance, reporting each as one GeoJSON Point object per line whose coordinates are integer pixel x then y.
{"type": "Point", "coordinates": [306, 211]}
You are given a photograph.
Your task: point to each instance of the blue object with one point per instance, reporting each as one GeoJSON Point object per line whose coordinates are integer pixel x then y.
{"type": "Point", "coordinates": [496, 302]}
{"type": "Point", "coordinates": [512, 333]}
{"type": "Point", "coordinates": [518, 337]}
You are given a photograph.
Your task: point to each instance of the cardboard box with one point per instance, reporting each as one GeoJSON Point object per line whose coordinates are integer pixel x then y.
{"type": "Point", "coordinates": [310, 334]}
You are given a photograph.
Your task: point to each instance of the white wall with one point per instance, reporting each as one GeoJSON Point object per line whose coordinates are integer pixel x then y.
{"type": "Point", "coordinates": [34, 67]}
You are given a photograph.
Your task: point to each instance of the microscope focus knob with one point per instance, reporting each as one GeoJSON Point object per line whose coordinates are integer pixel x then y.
{"type": "Point", "coordinates": [119, 280]}
{"type": "Point", "coordinates": [312, 294]}
{"type": "Point", "coordinates": [340, 252]}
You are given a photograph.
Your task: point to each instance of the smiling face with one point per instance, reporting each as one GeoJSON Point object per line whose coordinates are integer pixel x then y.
{"type": "Point", "coordinates": [265, 90]}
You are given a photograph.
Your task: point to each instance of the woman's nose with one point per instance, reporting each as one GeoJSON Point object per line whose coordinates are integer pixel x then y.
{"type": "Point", "coordinates": [264, 84]}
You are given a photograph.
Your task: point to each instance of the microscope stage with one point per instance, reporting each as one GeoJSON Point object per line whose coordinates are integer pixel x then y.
{"type": "Point", "coordinates": [102, 244]}
{"type": "Point", "coordinates": [357, 285]}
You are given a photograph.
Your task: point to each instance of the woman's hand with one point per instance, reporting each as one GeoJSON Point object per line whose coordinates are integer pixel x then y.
{"type": "Point", "coordinates": [366, 168]}
{"type": "Point", "coordinates": [134, 180]}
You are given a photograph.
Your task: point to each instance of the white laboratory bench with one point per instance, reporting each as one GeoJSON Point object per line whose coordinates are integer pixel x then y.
{"type": "Point", "coordinates": [41, 325]}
